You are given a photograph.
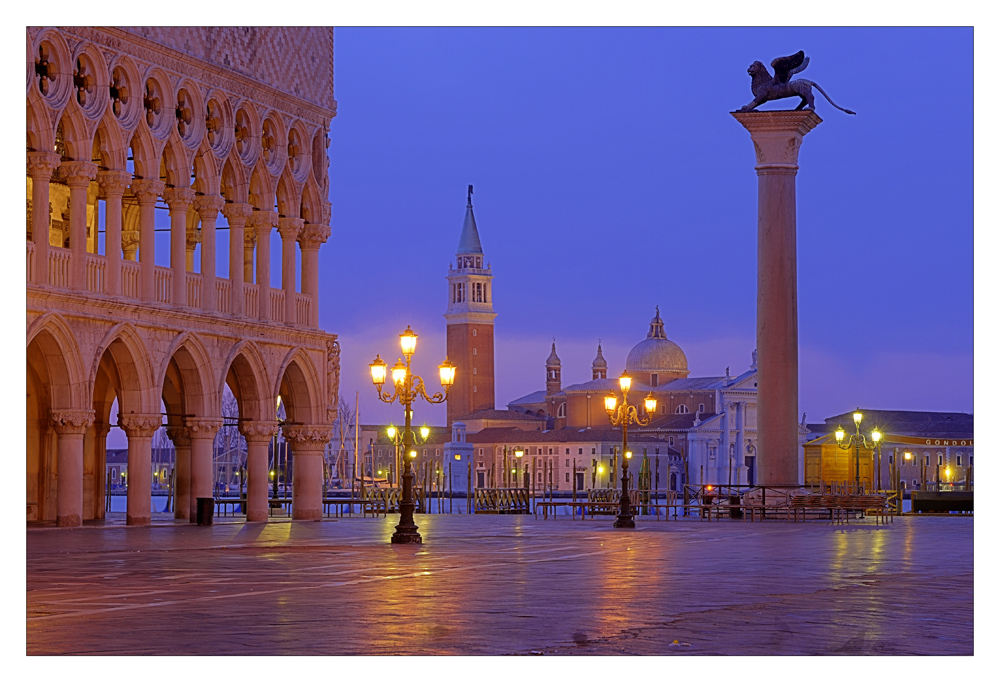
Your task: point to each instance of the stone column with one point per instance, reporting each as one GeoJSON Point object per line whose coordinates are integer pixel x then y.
{"type": "Point", "coordinates": [100, 473]}
{"type": "Point", "coordinates": [722, 459]}
{"type": "Point", "coordinates": [178, 199]}
{"type": "Point", "coordinates": [258, 435]}
{"type": "Point", "coordinates": [208, 208]}
{"type": "Point", "coordinates": [140, 429]}
{"type": "Point", "coordinates": [308, 444]}
{"type": "Point", "coordinates": [113, 184]}
{"type": "Point", "coordinates": [202, 433]}
{"type": "Point", "coordinates": [78, 175]}
{"type": "Point", "coordinates": [237, 215]}
{"type": "Point", "coordinates": [146, 193]}
{"type": "Point", "coordinates": [249, 239]}
{"type": "Point", "coordinates": [741, 450]}
{"type": "Point", "coordinates": [310, 239]}
{"type": "Point", "coordinates": [289, 229]}
{"type": "Point", "coordinates": [262, 221]}
{"type": "Point", "coordinates": [182, 470]}
{"type": "Point", "coordinates": [70, 426]}
{"type": "Point", "coordinates": [777, 136]}
{"type": "Point", "coordinates": [40, 168]}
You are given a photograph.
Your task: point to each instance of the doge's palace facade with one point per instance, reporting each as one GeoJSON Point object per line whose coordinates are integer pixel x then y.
{"type": "Point", "coordinates": [225, 129]}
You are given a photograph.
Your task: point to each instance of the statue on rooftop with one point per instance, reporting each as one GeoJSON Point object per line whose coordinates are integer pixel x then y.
{"type": "Point", "coordinates": [766, 88]}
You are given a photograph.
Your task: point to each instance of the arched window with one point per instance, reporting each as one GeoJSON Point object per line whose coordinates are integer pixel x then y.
{"type": "Point", "coordinates": [474, 351]}
{"type": "Point", "coordinates": [562, 410]}
{"type": "Point", "coordinates": [682, 409]}
{"type": "Point", "coordinates": [701, 407]}
{"type": "Point", "coordinates": [473, 332]}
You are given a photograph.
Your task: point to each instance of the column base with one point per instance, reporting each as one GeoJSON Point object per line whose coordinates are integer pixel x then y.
{"type": "Point", "coordinates": [306, 514]}
{"type": "Point", "coordinates": [256, 517]}
{"type": "Point", "coordinates": [406, 536]}
{"type": "Point", "coordinates": [71, 521]}
{"type": "Point", "coordinates": [136, 520]}
{"type": "Point", "coordinates": [625, 521]}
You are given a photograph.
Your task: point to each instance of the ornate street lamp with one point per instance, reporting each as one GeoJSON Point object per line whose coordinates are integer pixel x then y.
{"type": "Point", "coordinates": [857, 440]}
{"type": "Point", "coordinates": [622, 415]}
{"type": "Point", "coordinates": [408, 387]}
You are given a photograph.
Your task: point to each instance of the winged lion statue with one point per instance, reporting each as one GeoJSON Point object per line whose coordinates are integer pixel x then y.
{"type": "Point", "coordinates": [766, 87]}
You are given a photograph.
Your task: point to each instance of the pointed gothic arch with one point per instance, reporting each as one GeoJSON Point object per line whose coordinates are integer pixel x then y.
{"type": "Point", "coordinates": [300, 388]}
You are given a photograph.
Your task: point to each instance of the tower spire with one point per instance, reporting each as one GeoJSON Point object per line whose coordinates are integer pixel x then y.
{"type": "Point", "coordinates": [469, 243]}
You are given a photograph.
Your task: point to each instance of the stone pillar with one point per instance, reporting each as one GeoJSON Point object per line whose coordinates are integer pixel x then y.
{"type": "Point", "coordinates": [202, 432]}
{"type": "Point", "coordinates": [262, 221]}
{"type": "Point", "coordinates": [100, 472]}
{"type": "Point", "coordinates": [237, 215]}
{"type": "Point", "coordinates": [777, 136]}
{"type": "Point", "coordinates": [249, 239]}
{"type": "Point", "coordinates": [182, 470]}
{"type": "Point", "coordinates": [308, 444]}
{"type": "Point", "coordinates": [208, 208]}
{"type": "Point", "coordinates": [310, 239]}
{"type": "Point", "coordinates": [178, 199]}
{"type": "Point", "coordinates": [140, 429]}
{"type": "Point", "coordinates": [741, 449]}
{"type": "Point", "coordinates": [258, 435]}
{"type": "Point", "coordinates": [146, 193]}
{"type": "Point", "coordinates": [722, 460]}
{"type": "Point", "coordinates": [78, 175]}
{"type": "Point", "coordinates": [40, 168]}
{"type": "Point", "coordinates": [70, 426]}
{"type": "Point", "coordinates": [289, 229]}
{"type": "Point", "coordinates": [113, 184]}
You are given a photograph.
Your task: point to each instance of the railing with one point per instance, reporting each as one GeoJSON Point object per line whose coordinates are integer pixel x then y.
{"type": "Point", "coordinates": [194, 290]}
{"type": "Point", "coordinates": [302, 309]}
{"type": "Point", "coordinates": [59, 259]}
{"type": "Point", "coordinates": [130, 279]}
{"type": "Point", "coordinates": [96, 266]}
{"type": "Point", "coordinates": [251, 294]}
{"type": "Point", "coordinates": [162, 278]}
{"type": "Point", "coordinates": [30, 265]}
{"type": "Point", "coordinates": [277, 305]}
{"type": "Point", "coordinates": [502, 501]}
{"type": "Point", "coordinates": [222, 296]}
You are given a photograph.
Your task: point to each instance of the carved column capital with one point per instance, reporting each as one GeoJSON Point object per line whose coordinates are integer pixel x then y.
{"type": "Point", "coordinates": [193, 238]}
{"type": "Point", "coordinates": [77, 173]}
{"type": "Point", "coordinates": [249, 239]}
{"type": "Point", "coordinates": [208, 206]}
{"type": "Point", "coordinates": [140, 425]}
{"type": "Point", "coordinates": [312, 236]}
{"type": "Point", "coordinates": [41, 165]}
{"type": "Point", "coordinates": [258, 431]}
{"type": "Point", "coordinates": [263, 221]}
{"type": "Point", "coordinates": [307, 438]}
{"type": "Point", "coordinates": [180, 436]}
{"type": "Point", "coordinates": [71, 421]}
{"type": "Point", "coordinates": [178, 198]}
{"type": "Point", "coordinates": [203, 427]}
{"type": "Point", "coordinates": [113, 183]}
{"type": "Point", "coordinates": [147, 191]}
{"type": "Point", "coordinates": [130, 240]}
{"type": "Point", "coordinates": [237, 214]}
{"type": "Point", "coordinates": [777, 136]}
{"type": "Point", "coordinates": [289, 228]}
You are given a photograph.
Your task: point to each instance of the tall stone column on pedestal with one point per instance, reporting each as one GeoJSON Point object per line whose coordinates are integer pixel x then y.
{"type": "Point", "coordinates": [777, 136]}
{"type": "Point", "coordinates": [308, 444]}
{"type": "Point", "coordinates": [40, 168]}
{"type": "Point", "coordinates": [178, 199]}
{"type": "Point", "coordinates": [140, 429]}
{"type": "Point", "coordinates": [70, 426]}
{"type": "Point", "coordinates": [78, 175]}
{"type": "Point", "coordinates": [182, 470]}
{"type": "Point", "coordinates": [208, 208]}
{"type": "Point", "coordinates": [310, 239]}
{"type": "Point", "coordinates": [202, 432]}
{"type": "Point", "coordinates": [258, 435]}
{"type": "Point", "coordinates": [289, 229]}
{"type": "Point", "coordinates": [113, 184]}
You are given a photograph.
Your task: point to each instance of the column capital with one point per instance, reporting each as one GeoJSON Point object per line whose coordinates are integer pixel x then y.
{"type": "Point", "coordinates": [203, 427]}
{"type": "Point", "coordinates": [263, 221]}
{"type": "Point", "coordinates": [180, 436]}
{"type": "Point", "coordinates": [193, 238]}
{"type": "Point", "coordinates": [208, 205]}
{"type": "Point", "coordinates": [178, 198]}
{"type": "Point", "coordinates": [777, 135]}
{"type": "Point", "coordinates": [130, 240]}
{"type": "Point", "coordinates": [237, 213]}
{"type": "Point", "coordinates": [258, 431]}
{"type": "Point", "coordinates": [312, 236]}
{"type": "Point", "coordinates": [42, 164]}
{"type": "Point", "coordinates": [113, 183]}
{"type": "Point", "coordinates": [249, 238]}
{"type": "Point", "coordinates": [289, 228]}
{"type": "Point", "coordinates": [140, 425]}
{"type": "Point", "coordinates": [146, 191]}
{"type": "Point", "coordinates": [307, 438]}
{"type": "Point", "coordinates": [71, 421]}
{"type": "Point", "coordinates": [77, 173]}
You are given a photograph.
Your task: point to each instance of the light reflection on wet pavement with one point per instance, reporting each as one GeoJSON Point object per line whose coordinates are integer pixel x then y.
{"type": "Point", "coordinates": [504, 585]}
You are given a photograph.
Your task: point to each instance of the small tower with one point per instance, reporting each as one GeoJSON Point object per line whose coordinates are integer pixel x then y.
{"type": "Point", "coordinates": [600, 365]}
{"type": "Point", "coordinates": [470, 324]}
{"type": "Point", "coordinates": [553, 372]}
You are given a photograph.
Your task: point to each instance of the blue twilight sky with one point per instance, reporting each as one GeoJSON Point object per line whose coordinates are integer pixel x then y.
{"type": "Point", "coordinates": [610, 178]}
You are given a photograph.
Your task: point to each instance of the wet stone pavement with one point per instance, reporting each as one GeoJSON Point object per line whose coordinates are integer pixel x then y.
{"type": "Point", "coordinates": [504, 585]}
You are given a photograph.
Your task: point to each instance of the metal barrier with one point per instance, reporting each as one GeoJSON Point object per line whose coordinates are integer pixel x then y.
{"type": "Point", "coordinates": [502, 501]}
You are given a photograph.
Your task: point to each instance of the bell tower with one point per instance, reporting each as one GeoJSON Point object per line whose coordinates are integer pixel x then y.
{"type": "Point", "coordinates": [470, 324]}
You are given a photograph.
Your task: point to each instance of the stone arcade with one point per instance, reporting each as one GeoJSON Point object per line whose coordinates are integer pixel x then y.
{"type": "Point", "coordinates": [228, 127]}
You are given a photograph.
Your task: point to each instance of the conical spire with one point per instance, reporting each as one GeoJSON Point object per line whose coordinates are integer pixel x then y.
{"type": "Point", "coordinates": [553, 359]}
{"type": "Point", "coordinates": [469, 241]}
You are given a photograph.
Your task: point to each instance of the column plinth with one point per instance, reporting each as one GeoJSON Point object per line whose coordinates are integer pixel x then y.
{"type": "Point", "coordinates": [308, 444]}
{"type": "Point", "coordinates": [777, 137]}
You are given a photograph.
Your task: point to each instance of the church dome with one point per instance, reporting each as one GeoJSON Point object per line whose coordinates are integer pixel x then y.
{"type": "Point", "coordinates": [656, 354]}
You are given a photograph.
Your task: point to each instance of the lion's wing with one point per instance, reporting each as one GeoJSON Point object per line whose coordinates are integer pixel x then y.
{"type": "Point", "coordinates": [784, 67]}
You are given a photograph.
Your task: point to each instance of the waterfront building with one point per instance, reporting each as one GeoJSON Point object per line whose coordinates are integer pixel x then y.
{"type": "Point", "coordinates": [146, 149]}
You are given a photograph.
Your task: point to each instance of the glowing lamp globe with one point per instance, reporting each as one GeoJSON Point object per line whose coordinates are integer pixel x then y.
{"type": "Point", "coordinates": [840, 434]}
{"type": "Point", "coordinates": [447, 371]}
{"type": "Point", "coordinates": [391, 432]}
{"type": "Point", "coordinates": [424, 432]}
{"type": "Point", "coordinates": [857, 417]}
{"type": "Point", "coordinates": [398, 373]}
{"type": "Point", "coordinates": [408, 341]}
{"type": "Point", "coordinates": [378, 371]}
{"type": "Point", "coordinates": [650, 403]}
{"type": "Point", "coordinates": [610, 401]}
{"type": "Point", "coordinates": [625, 381]}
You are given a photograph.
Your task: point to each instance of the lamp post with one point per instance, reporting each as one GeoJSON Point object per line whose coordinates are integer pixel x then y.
{"type": "Point", "coordinates": [622, 415]}
{"type": "Point", "coordinates": [396, 438]}
{"type": "Point", "coordinates": [408, 387]}
{"type": "Point", "coordinates": [857, 440]}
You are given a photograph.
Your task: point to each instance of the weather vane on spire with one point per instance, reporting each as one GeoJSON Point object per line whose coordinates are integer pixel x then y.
{"type": "Point", "coordinates": [470, 195]}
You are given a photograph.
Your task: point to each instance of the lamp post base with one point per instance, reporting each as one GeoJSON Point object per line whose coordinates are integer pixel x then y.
{"type": "Point", "coordinates": [624, 521]}
{"type": "Point", "coordinates": [406, 536]}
